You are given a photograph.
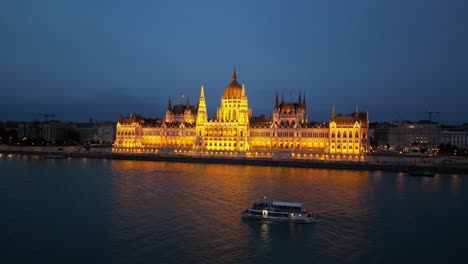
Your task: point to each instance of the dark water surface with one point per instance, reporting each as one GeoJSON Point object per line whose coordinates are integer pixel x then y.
{"type": "Point", "coordinates": [107, 211]}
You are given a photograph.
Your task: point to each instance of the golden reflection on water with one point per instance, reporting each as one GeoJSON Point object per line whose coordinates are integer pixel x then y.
{"type": "Point", "coordinates": [265, 231]}
{"type": "Point", "coordinates": [455, 183]}
{"type": "Point", "coordinates": [238, 187]}
{"type": "Point", "coordinates": [193, 200]}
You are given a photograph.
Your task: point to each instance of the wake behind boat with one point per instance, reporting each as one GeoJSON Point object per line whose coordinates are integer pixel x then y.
{"type": "Point", "coordinates": [278, 211]}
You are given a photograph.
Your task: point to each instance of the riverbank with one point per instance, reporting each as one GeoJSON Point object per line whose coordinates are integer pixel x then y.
{"type": "Point", "coordinates": [374, 164]}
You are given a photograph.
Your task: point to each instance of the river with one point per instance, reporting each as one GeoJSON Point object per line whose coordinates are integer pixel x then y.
{"type": "Point", "coordinates": [114, 211]}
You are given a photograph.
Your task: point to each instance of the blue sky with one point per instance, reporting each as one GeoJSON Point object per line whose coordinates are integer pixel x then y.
{"type": "Point", "coordinates": [82, 59]}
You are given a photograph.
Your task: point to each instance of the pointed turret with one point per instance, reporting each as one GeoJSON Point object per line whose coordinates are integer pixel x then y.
{"type": "Point", "coordinates": [304, 101]}
{"type": "Point", "coordinates": [169, 104]}
{"type": "Point", "coordinates": [276, 101]}
{"type": "Point", "coordinates": [202, 113]}
{"type": "Point", "coordinates": [202, 92]}
{"type": "Point", "coordinates": [243, 89]}
{"type": "Point", "coordinates": [300, 98]}
{"type": "Point", "coordinates": [187, 104]}
{"type": "Point", "coordinates": [356, 111]}
{"type": "Point", "coordinates": [333, 112]}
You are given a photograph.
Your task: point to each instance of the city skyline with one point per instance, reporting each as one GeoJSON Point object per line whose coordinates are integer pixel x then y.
{"type": "Point", "coordinates": [86, 60]}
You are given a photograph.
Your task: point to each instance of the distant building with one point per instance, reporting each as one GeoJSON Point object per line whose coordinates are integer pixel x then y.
{"type": "Point", "coordinates": [31, 130]}
{"type": "Point", "coordinates": [55, 131]}
{"type": "Point", "coordinates": [106, 132]}
{"type": "Point", "coordinates": [8, 132]}
{"type": "Point", "coordinates": [455, 135]}
{"type": "Point", "coordinates": [52, 131]}
{"type": "Point", "coordinates": [234, 132]}
{"type": "Point", "coordinates": [400, 137]}
{"type": "Point", "coordinates": [88, 132]}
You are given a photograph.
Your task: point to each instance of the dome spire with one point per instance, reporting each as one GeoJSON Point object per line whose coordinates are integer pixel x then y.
{"type": "Point", "coordinates": [234, 76]}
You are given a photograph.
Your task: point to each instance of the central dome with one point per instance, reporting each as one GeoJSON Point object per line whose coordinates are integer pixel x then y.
{"type": "Point", "coordinates": [234, 89]}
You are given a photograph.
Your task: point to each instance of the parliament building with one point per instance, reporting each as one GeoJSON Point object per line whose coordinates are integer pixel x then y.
{"type": "Point", "coordinates": [186, 130]}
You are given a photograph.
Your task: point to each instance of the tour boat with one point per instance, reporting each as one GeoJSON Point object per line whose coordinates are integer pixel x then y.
{"type": "Point", "coordinates": [278, 211]}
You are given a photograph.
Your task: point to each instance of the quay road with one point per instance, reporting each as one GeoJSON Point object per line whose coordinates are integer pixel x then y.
{"type": "Point", "coordinates": [373, 162]}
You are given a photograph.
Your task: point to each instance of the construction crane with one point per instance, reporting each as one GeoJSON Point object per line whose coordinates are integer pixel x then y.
{"type": "Point", "coordinates": [397, 117]}
{"type": "Point", "coordinates": [430, 114]}
{"type": "Point", "coordinates": [46, 116]}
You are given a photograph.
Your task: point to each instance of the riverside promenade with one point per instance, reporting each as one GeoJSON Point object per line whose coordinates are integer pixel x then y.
{"type": "Point", "coordinates": [448, 165]}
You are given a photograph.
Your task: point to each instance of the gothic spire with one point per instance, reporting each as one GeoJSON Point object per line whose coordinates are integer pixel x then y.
{"type": "Point", "coordinates": [276, 101]}
{"type": "Point", "coordinates": [169, 105]}
{"type": "Point", "coordinates": [187, 105]}
{"type": "Point", "coordinates": [202, 92]}
{"type": "Point", "coordinates": [303, 101]}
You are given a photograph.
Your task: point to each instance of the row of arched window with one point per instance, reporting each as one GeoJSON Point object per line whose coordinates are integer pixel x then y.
{"type": "Point", "coordinates": [345, 135]}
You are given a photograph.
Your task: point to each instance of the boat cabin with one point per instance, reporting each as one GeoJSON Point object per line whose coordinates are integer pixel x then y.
{"type": "Point", "coordinates": [278, 206]}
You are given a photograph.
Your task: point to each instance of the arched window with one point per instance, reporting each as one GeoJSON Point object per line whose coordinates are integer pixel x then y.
{"type": "Point", "coordinates": [333, 134]}
{"type": "Point", "coordinates": [350, 134]}
{"type": "Point", "coordinates": [339, 134]}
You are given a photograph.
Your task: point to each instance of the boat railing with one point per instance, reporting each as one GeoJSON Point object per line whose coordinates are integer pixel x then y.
{"type": "Point", "coordinates": [263, 206]}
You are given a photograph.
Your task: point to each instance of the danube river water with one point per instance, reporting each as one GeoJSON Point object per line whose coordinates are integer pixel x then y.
{"type": "Point", "coordinates": [114, 211]}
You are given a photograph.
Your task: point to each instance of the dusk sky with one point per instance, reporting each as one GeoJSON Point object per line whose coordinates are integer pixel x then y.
{"type": "Point", "coordinates": [96, 59]}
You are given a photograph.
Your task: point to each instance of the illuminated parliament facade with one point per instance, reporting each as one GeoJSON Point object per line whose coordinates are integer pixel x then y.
{"type": "Point", "coordinates": [187, 130]}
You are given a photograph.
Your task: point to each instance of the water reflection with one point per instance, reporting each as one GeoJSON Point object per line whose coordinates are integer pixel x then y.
{"type": "Point", "coordinates": [455, 183]}
{"type": "Point", "coordinates": [190, 203]}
